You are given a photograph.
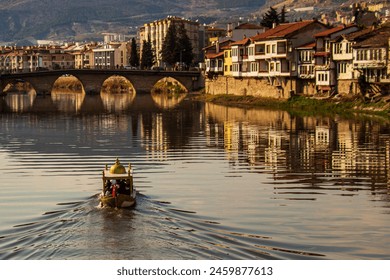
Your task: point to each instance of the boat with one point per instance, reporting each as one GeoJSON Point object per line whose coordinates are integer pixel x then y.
{"type": "Point", "coordinates": [118, 189]}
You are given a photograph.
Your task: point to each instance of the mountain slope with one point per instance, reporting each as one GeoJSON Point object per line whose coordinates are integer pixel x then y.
{"type": "Point", "coordinates": [60, 19]}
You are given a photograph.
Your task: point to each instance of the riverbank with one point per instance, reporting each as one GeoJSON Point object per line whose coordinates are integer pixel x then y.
{"type": "Point", "coordinates": [302, 105]}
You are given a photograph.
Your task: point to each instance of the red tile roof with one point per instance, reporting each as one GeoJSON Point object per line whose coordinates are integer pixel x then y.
{"type": "Point", "coordinates": [248, 26]}
{"type": "Point", "coordinates": [332, 30]}
{"type": "Point", "coordinates": [241, 42]}
{"type": "Point", "coordinates": [283, 30]}
{"type": "Point", "coordinates": [214, 55]}
{"type": "Point", "coordinates": [308, 46]}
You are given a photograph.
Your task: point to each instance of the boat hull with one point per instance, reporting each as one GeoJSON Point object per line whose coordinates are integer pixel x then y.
{"type": "Point", "coordinates": [120, 201]}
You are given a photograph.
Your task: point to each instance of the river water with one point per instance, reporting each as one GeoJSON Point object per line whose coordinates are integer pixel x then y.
{"type": "Point", "coordinates": [213, 182]}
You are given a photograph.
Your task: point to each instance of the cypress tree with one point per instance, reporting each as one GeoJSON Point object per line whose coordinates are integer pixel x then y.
{"type": "Point", "coordinates": [169, 48]}
{"type": "Point", "coordinates": [147, 59]}
{"type": "Point", "coordinates": [270, 17]}
{"type": "Point", "coordinates": [184, 46]}
{"type": "Point", "coordinates": [282, 15]}
{"type": "Point", "coordinates": [134, 59]}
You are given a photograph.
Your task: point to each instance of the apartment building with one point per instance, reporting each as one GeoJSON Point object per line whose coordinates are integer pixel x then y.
{"type": "Point", "coordinates": [158, 29]}
{"type": "Point", "coordinates": [110, 56]}
{"type": "Point", "coordinates": [27, 59]}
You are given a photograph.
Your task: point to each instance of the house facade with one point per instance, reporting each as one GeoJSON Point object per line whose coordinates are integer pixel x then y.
{"type": "Point", "coordinates": [308, 58]}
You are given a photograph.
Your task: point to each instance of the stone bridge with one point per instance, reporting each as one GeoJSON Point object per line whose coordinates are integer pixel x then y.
{"type": "Point", "coordinates": [93, 79]}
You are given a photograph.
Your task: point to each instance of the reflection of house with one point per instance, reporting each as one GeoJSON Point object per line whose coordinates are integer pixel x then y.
{"type": "Point", "coordinates": [322, 137]}
{"type": "Point", "coordinates": [274, 155]}
{"type": "Point", "coordinates": [232, 136]}
{"type": "Point", "coordinates": [345, 157]}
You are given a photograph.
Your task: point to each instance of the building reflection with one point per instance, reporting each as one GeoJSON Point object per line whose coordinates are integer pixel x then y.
{"type": "Point", "coordinates": [67, 101]}
{"type": "Point", "coordinates": [277, 141]}
{"type": "Point", "coordinates": [168, 101]}
{"type": "Point", "coordinates": [117, 102]}
{"type": "Point", "coordinates": [20, 102]}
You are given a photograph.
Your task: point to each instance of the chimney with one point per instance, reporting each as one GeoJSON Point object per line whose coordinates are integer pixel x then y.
{"type": "Point", "coordinates": [273, 24]}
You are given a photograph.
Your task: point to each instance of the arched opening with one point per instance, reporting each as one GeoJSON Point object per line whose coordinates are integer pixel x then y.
{"type": "Point", "coordinates": [117, 93]}
{"type": "Point", "coordinates": [168, 93]}
{"type": "Point", "coordinates": [20, 95]}
{"type": "Point", "coordinates": [68, 93]}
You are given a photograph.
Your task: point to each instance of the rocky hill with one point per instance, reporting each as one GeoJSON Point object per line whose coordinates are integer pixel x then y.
{"type": "Point", "coordinates": [86, 19]}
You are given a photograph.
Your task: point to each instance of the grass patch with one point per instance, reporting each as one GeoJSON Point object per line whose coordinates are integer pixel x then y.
{"type": "Point", "coordinates": [302, 106]}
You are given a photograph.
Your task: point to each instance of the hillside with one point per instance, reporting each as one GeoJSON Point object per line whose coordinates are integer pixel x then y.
{"type": "Point", "coordinates": [86, 20]}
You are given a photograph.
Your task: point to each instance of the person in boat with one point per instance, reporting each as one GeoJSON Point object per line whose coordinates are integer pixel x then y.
{"type": "Point", "coordinates": [122, 186]}
{"type": "Point", "coordinates": [107, 187]}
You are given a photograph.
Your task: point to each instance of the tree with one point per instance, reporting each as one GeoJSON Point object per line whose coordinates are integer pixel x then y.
{"type": "Point", "coordinates": [270, 17]}
{"type": "Point", "coordinates": [168, 50]}
{"type": "Point", "coordinates": [184, 46]}
{"type": "Point", "coordinates": [282, 15]}
{"type": "Point", "coordinates": [177, 46]}
{"type": "Point", "coordinates": [147, 58]}
{"type": "Point", "coordinates": [134, 59]}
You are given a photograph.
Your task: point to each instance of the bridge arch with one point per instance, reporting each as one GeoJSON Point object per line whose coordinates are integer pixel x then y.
{"type": "Point", "coordinates": [168, 92]}
{"type": "Point", "coordinates": [67, 93]}
{"type": "Point", "coordinates": [117, 84]}
{"type": "Point", "coordinates": [67, 83]}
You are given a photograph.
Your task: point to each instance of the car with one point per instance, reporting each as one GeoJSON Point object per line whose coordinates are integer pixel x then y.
{"type": "Point", "coordinates": [158, 68]}
{"type": "Point", "coordinates": [129, 67]}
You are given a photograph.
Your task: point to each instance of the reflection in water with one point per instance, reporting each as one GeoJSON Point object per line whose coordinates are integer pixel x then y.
{"type": "Point", "coordinates": [20, 102]}
{"type": "Point", "coordinates": [214, 182]}
{"type": "Point", "coordinates": [168, 101]}
{"type": "Point", "coordinates": [68, 101]}
{"type": "Point", "coordinates": [117, 102]}
{"type": "Point", "coordinates": [276, 140]}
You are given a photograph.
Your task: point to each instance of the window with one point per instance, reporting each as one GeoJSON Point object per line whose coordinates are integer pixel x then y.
{"type": "Point", "coordinates": [348, 48]}
{"type": "Point", "coordinates": [306, 56]}
{"type": "Point", "coordinates": [342, 68]}
{"type": "Point", "coordinates": [273, 49]}
{"type": "Point", "coordinates": [254, 67]}
{"type": "Point", "coordinates": [272, 66]}
{"type": "Point", "coordinates": [282, 47]}
{"type": "Point", "coordinates": [337, 48]}
{"type": "Point", "coordinates": [251, 51]}
{"type": "Point", "coordinates": [277, 66]}
{"type": "Point", "coordinates": [260, 49]}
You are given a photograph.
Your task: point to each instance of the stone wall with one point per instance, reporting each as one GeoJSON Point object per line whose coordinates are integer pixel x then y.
{"type": "Point", "coordinates": [348, 87]}
{"type": "Point", "coordinates": [263, 87]}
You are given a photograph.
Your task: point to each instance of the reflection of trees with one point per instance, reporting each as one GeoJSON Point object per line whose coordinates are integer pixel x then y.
{"type": "Point", "coordinates": [172, 129]}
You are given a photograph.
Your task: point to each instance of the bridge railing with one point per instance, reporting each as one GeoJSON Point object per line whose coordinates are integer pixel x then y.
{"type": "Point", "coordinates": [127, 68]}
